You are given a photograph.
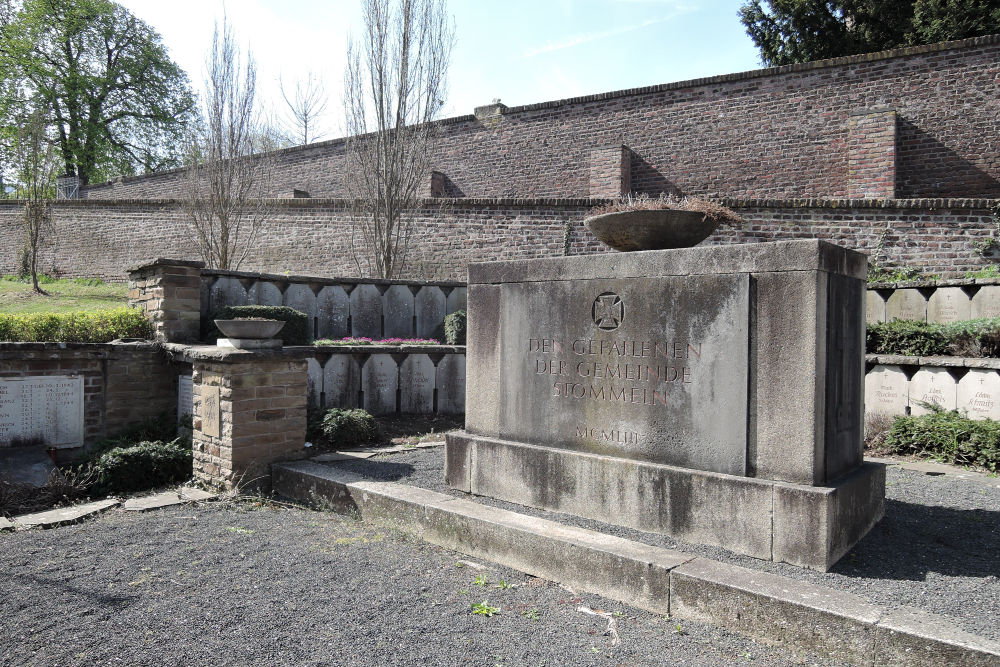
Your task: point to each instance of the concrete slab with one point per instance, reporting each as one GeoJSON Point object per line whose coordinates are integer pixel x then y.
{"type": "Point", "coordinates": [26, 465]}
{"type": "Point", "coordinates": [64, 515]}
{"type": "Point", "coordinates": [166, 499]}
{"type": "Point", "coordinates": [6, 524]}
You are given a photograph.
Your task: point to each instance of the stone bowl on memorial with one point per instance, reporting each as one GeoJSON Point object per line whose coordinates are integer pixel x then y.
{"type": "Point", "coordinates": [252, 329]}
{"type": "Point", "coordinates": [655, 229]}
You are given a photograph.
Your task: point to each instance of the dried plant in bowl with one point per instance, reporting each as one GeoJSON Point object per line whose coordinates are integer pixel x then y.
{"type": "Point", "coordinates": [640, 222]}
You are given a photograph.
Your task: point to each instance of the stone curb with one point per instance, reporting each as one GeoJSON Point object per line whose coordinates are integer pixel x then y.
{"type": "Point", "coordinates": [64, 515]}
{"type": "Point", "coordinates": [800, 616]}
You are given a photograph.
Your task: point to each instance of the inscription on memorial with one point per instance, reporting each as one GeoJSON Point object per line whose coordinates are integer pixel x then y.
{"type": "Point", "coordinates": [210, 411]}
{"type": "Point", "coordinates": [48, 409]}
{"type": "Point", "coordinates": [655, 371]}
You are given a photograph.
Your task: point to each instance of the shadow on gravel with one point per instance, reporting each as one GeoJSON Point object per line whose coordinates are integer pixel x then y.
{"type": "Point", "coordinates": [913, 540]}
{"type": "Point", "coordinates": [61, 588]}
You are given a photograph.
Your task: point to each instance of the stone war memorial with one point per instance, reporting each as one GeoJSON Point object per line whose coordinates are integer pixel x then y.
{"type": "Point", "coordinates": [714, 394]}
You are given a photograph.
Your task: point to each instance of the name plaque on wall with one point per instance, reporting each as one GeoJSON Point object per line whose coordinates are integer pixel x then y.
{"type": "Point", "coordinates": [42, 410]}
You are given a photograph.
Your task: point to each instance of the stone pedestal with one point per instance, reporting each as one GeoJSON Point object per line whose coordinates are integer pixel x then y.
{"type": "Point", "coordinates": [249, 411]}
{"type": "Point", "coordinates": [169, 292]}
{"type": "Point", "coordinates": [714, 394]}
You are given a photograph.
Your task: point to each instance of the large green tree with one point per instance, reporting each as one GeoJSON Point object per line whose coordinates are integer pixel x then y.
{"type": "Point", "coordinates": [116, 101]}
{"type": "Point", "coordinates": [794, 31]}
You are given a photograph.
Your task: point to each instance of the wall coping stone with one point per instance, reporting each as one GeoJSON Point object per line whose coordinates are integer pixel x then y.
{"type": "Point", "coordinates": [953, 282]}
{"type": "Point", "coordinates": [815, 65]}
{"type": "Point", "coordinates": [950, 203]}
{"type": "Point", "coordinates": [162, 261]}
{"type": "Point", "coordinates": [280, 277]}
{"type": "Point", "coordinates": [192, 353]}
{"type": "Point", "coordinates": [948, 362]}
{"type": "Point", "coordinates": [94, 347]}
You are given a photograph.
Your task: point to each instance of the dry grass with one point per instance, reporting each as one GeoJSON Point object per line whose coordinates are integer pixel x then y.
{"type": "Point", "coordinates": [643, 202]}
{"type": "Point", "coordinates": [877, 425]}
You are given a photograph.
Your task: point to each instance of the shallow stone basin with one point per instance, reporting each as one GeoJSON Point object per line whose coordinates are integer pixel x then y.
{"type": "Point", "coordinates": [660, 229]}
{"type": "Point", "coordinates": [249, 328]}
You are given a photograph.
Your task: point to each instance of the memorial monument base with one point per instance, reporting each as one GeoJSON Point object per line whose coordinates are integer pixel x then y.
{"type": "Point", "coordinates": [250, 343]}
{"type": "Point", "coordinates": [807, 526]}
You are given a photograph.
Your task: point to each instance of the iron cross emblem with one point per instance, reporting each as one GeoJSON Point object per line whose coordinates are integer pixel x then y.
{"type": "Point", "coordinates": [608, 311]}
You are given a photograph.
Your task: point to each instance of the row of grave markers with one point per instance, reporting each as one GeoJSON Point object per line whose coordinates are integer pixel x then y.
{"type": "Point", "coordinates": [889, 390]}
{"type": "Point", "coordinates": [940, 305]}
{"type": "Point", "coordinates": [337, 311]}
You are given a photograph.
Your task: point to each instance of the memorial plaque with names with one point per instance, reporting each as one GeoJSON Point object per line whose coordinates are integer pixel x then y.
{"type": "Point", "coordinates": [49, 408]}
{"type": "Point", "coordinates": [886, 391]}
{"type": "Point", "coordinates": [978, 394]}
{"type": "Point", "coordinates": [655, 370]}
{"type": "Point", "coordinates": [185, 397]}
{"type": "Point", "coordinates": [932, 385]}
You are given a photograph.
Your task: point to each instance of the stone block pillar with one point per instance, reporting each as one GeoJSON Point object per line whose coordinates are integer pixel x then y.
{"type": "Point", "coordinates": [169, 292]}
{"type": "Point", "coordinates": [610, 171]}
{"type": "Point", "coordinates": [249, 411]}
{"type": "Point", "coordinates": [871, 154]}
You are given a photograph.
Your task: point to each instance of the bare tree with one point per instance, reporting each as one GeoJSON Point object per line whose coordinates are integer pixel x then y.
{"type": "Point", "coordinates": [229, 175]}
{"type": "Point", "coordinates": [305, 106]}
{"type": "Point", "coordinates": [33, 159]}
{"type": "Point", "coordinates": [394, 87]}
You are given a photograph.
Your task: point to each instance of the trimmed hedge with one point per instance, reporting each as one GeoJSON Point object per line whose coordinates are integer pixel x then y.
{"type": "Point", "coordinates": [142, 466]}
{"type": "Point", "coordinates": [948, 436]}
{"type": "Point", "coordinates": [347, 428]}
{"type": "Point", "coordinates": [297, 330]}
{"type": "Point", "coordinates": [972, 338]}
{"type": "Point", "coordinates": [99, 326]}
{"type": "Point", "coordinates": [454, 328]}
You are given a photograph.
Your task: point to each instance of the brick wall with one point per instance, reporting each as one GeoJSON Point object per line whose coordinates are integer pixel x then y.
{"type": "Point", "coordinates": [777, 133]}
{"type": "Point", "coordinates": [311, 236]}
{"type": "Point", "coordinates": [123, 384]}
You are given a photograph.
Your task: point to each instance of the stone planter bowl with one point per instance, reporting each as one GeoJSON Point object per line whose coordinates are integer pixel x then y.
{"type": "Point", "coordinates": [658, 229]}
{"type": "Point", "coordinates": [249, 328]}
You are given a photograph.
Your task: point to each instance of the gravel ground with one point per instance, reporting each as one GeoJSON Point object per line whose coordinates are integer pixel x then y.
{"type": "Point", "coordinates": [938, 547]}
{"type": "Point", "coordinates": [236, 583]}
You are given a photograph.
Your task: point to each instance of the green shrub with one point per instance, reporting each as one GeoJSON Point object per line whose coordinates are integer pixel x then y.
{"type": "Point", "coordinates": [142, 466]}
{"type": "Point", "coordinates": [971, 338]}
{"type": "Point", "coordinates": [101, 326]}
{"type": "Point", "coordinates": [297, 330]}
{"type": "Point", "coordinates": [948, 436]}
{"type": "Point", "coordinates": [161, 427]}
{"type": "Point", "coordinates": [347, 428]}
{"type": "Point", "coordinates": [906, 337]}
{"type": "Point", "coordinates": [454, 328]}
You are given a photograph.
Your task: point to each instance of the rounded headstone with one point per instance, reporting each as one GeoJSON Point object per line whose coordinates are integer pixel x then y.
{"type": "Point", "coordinates": [430, 307]}
{"type": "Point", "coordinates": [457, 299]}
{"type": "Point", "coordinates": [314, 381]}
{"type": "Point", "coordinates": [300, 297]}
{"type": "Point", "coordinates": [932, 385]}
{"type": "Point", "coordinates": [227, 291]}
{"type": "Point", "coordinates": [333, 307]}
{"type": "Point", "coordinates": [948, 304]}
{"type": "Point", "coordinates": [416, 384]}
{"type": "Point", "coordinates": [906, 304]}
{"type": "Point", "coordinates": [874, 307]}
{"type": "Point", "coordinates": [341, 381]}
{"type": "Point", "coordinates": [886, 391]}
{"type": "Point", "coordinates": [379, 381]}
{"type": "Point", "coordinates": [398, 311]}
{"type": "Point", "coordinates": [264, 293]}
{"type": "Point", "coordinates": [985, 302]}
{"type": "Point", "coordinates": [978, 394]}
{"type": "Point", "coordinates": [450, 382]}
{"type": "Point", "coordinates": [366, 312]}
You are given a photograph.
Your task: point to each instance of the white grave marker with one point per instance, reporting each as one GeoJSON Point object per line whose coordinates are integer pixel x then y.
{"type": "Point", "coordinates": [979, 394]}
{"type": "Point", "coordinates": [932, 385]}
{"type": "Point", "coordinates": [185, 397]}
{"type": "Point", "coordinates": [886, 391]}
{"type": "Point", "coordinates": [46, 407]}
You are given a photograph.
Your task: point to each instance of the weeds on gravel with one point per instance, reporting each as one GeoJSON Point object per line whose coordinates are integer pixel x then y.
{"type": "Point", "coordinates": [503, 585]}
{"type": "Point", "coordinates": [484, 609]}
{"type": "Point", "coordinates": [531, 614]}
{"type": "Point", "coordinates": [481, 580]}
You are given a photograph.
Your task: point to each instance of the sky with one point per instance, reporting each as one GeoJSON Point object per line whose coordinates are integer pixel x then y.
{"type": "Point", "coordinates": [517, 51]}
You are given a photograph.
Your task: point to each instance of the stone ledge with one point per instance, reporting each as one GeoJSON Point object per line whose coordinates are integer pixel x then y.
{"type": "Point", "coordinates": [162, 261]}
{"type": "Point", "coordinates": [774, 256]}
{"type": "Point", "coordinates": [803, 617]}
{"type": "Point", "coordinates": [945, 362]}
